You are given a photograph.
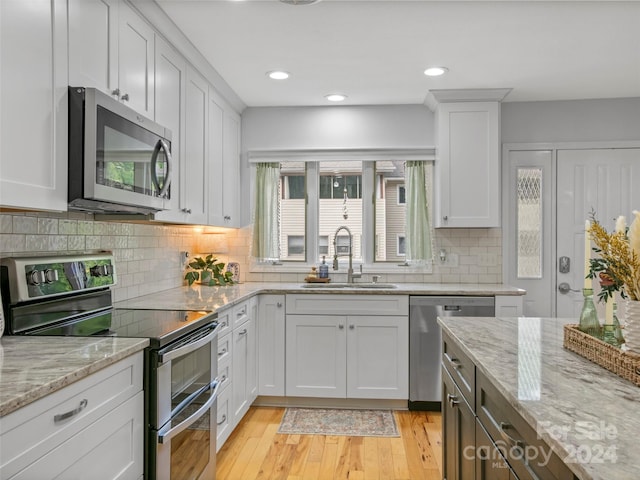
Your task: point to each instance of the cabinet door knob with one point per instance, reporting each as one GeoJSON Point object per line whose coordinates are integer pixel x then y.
{"type": "Point", "coordinates": [186, 210]}
{"type": "Point", "coordinates": [116, 92]}
{"type": "Point", "coordinates": [352, 327]}
{"type": "Point", "coordinates": [125, 97]}
{"type": "Point", "coordinates": [445, 218]}
{"type": "Point", "coordinates": [341, 327]}
{"type": "Point", "coordinates": [279, 304]}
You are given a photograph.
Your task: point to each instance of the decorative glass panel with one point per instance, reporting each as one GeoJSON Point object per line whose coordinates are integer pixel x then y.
{"type": "Point", "coordinates": [529, 228]}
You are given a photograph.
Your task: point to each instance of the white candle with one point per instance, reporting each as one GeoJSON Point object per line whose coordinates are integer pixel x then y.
{"type": "Point", "coordinates": [587, 254]}
{"type": "Point", "coordinates": [608, 312]}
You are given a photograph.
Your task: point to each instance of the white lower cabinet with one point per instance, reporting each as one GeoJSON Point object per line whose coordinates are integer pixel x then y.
{"type": "Point", "coordinates": [509, 305]}
{"type": "Point", "coordinates": [65, 435]}
{"type": "Point", "coordinates": [270, 325]}
{"type": "Point", "coordinates": [237, 366]}
{"type": "Point", "coordinates": [245, 378]}
{"type": "Point", "coordinates": [347, 356]}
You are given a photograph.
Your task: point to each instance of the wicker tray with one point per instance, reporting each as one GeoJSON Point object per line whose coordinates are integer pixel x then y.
{"type": "Point", "coordinates": [623, 364]}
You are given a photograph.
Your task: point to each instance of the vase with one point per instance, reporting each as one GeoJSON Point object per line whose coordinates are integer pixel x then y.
{"type": "Point", "coordinates": [589, 322]}
{"type": "Point", "coordinates": [632, 326]}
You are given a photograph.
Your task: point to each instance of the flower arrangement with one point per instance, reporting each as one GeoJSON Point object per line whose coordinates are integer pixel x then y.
{"type": "Point", "coordinates": [618, 265]}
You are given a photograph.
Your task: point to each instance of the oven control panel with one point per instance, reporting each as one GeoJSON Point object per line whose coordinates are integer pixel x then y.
{"type": "Point", "coordinates": [36, 277]}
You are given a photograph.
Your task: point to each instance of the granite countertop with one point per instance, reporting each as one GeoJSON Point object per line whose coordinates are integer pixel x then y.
{"type": "Point", "coordinates": [589, 416]}
{"type": "Point", "coordinates": [198, 297]}
{"type": "Point", "coordinates": [32, 367]}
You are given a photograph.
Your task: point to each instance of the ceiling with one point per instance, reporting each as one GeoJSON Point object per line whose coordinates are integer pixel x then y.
{"type": "Point", "coordinates": [375, 52]}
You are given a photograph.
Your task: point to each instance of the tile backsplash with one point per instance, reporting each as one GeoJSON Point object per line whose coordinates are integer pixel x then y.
{"type": "Point", "coordinates": [148, 256]}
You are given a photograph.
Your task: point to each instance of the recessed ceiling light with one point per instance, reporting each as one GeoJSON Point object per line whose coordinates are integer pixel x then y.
{"type": "Point", "coordinates": [335, 97]}
{"type": "Point", "coordinates": [435, 71]}
{"type": "Point", "coordinates": [278, 75]}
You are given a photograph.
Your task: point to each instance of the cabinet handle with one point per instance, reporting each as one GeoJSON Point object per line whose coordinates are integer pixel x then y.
{"type": "Point", "coordinates": [227, 218]}
{"type": "Point", "coordinates": [223, 379]}
{"type": "Point", "coordinates": [224, 419]}
{"type": "Point", "coordinates": [243, 332]}
{"type": "Point", "coordinates": [279, 304]}
{"type": "Point", "coordinates": [125, 97]}
{"type": "Point", "coordinates": [351, 327]}
{"type": "Point", "coordinates": [341, 327]}
{"type": "Point", "coordinates": [224, 350]}
{"type": "Point", "coordinates": [445, 217]}
{"type": "Point", "coordinates": [242, 312]}
{"type": "Point", "coordinates": [116, 92]}
{"type": "Point", "coordinates": [72, 413]}
{"type": "Point", "coordinates": [504, 426]}
{"type": "Point", "coordinates": [186, 210]}
{"type": "Point", "coordinates": [453, 400]}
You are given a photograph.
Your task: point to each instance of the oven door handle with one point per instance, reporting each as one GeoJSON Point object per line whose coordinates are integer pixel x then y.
{"type": "Point", "coordinates": [166, 433]}
{"type": "Point", "coordinates": [188, 348]}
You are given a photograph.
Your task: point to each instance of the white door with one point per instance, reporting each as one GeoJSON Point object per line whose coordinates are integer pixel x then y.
{"type": "Point", "coordinates": [528, 228]}
{"type": "Point", "coordinates": [543, 230]}
{"type": "Point", "coordinates": [606, 181]}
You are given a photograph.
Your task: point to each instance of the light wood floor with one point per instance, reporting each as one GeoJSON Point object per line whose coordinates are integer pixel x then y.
{"type": "Point", "coordinates": [255, 451]}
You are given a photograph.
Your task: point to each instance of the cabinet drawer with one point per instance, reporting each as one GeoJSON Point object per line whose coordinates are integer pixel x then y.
{"type": "Point", "coordinates": [240, 314]}
{"type": "Point", "coordinates": [507, 428]}
{"type": "Point", "coordinates": [120, 433]}
{"type": "Point", "coordinates": [224, 349]}
{"type": "Point", "coordinates": [460, 367]}
{"type": "Point", "coordinates": [32, 431]}
{"type": "Point", "coordinates": [224, 322]}
{"type": "Point", "coordinates": [224, 374]}
{"type": "Point", "coordinates": [347, 304]}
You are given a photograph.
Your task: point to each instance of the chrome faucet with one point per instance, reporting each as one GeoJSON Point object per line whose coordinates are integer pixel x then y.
{"type": "Point", "coordinates": [350, 274]}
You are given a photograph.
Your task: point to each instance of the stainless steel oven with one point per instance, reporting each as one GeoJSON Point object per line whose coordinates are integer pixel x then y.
{"type": "Point", "coordinates": [72, 296]}
{"type": "Point", "coordinates": [183, 388]}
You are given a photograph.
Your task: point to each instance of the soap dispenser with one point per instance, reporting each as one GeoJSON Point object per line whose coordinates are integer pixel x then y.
{"type": "Point", "coordinates": [324, 269]}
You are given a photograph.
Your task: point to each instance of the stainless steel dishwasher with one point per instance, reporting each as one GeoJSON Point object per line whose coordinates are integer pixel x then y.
{"type": "Point", "coordinates": [425, 342]}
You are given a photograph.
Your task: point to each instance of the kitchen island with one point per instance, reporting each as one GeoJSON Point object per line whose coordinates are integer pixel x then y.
{"type": "Point", "coordinates": [588, 416]}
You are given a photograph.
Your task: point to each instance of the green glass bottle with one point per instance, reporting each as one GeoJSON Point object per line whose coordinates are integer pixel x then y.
{"type": "Point", "coordinates": [589, 322]}
{"type": "Point", "coordinates": [613, 332]}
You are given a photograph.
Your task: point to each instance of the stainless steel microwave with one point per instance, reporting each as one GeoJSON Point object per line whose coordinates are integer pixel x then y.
{"type": "Point", "coordinates": [119, 161]}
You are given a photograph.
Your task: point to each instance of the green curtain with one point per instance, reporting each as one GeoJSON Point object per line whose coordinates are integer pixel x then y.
{"type": "Point", "coordinates": [266, 234]}
{"type": "Point", "coordinates": [418, 228]}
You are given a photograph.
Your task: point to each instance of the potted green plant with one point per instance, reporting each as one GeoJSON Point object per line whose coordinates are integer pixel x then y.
{"type": "Point", "coordinates": [209, 271]}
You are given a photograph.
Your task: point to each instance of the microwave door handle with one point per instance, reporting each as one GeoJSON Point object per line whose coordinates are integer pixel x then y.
{"type": "Point", "coordinates": [165, 434]}
{"type": "Point", "coordinates": [161, 145]}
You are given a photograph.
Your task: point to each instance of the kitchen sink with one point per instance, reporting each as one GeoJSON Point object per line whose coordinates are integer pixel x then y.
{"type": "Point", "coordinates": [363, 285]}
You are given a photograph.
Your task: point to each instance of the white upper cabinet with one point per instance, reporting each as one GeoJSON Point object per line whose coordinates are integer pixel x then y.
{"type": "Point", "coordinates": [195, 185]}
{"type": "Point", "coordinates": [170, 82]}
{"type": "Point", "coordinates": [112, 48]}
{"type": "Point", "coordinates": [93, 44]}
{"type": "Point", "coordinates": [467, 168]}
{"type": "Point", "coordinates": [33, 104]}
{"type": "Point", "coordinates": [224, 160]}
{"type": "Point", "coordinates": [136, 61]}
{"type": "Point", "coordinates": [468, 165]}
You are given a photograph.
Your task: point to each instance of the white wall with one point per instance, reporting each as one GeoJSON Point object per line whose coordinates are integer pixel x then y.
{"type": "Point", "coordinates": [571, 121]}
{"type": "Point", "coordinates": [393, 126]}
